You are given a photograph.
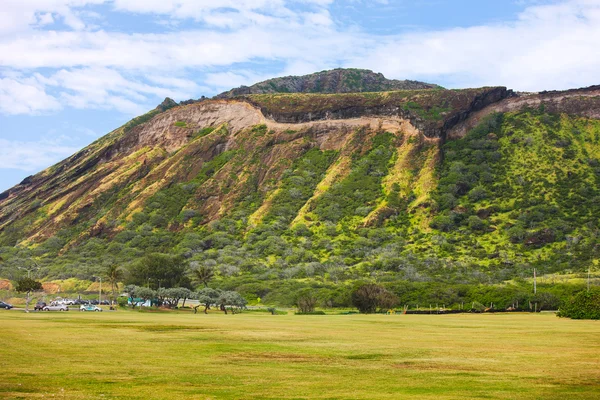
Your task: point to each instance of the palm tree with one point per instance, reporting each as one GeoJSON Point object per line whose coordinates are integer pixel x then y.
{"type": "Point", "coordinates": [204, 274]}
{"type": "Point", "coordinates": [114, 274]}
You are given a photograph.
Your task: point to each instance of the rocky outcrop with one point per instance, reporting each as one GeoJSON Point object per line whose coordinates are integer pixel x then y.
{"type": "Point", "coordinates": [334, 81]}
{"type": "Point", "coordinates": [583, 102]}
{"type": "Point", "coordinates": [433, 112]}
{"type": "Point", "coordinates": [166, 104]}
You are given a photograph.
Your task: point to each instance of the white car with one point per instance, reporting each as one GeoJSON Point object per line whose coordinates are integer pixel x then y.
{"type": "Point", "coordinates": [89, 307]}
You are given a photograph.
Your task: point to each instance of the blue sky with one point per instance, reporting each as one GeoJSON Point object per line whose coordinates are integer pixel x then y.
{"type": "Point", "coordinates": [73, 70]}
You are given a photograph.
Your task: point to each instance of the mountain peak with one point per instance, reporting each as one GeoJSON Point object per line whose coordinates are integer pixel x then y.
{"type": "Point", "coordinates": [166, 104]}
{"type": "Point", "coordinates": [339, 80]}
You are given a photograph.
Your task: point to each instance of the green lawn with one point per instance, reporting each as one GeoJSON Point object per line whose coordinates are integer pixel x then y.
{"type": "Point", "coordinates": [132, 355]}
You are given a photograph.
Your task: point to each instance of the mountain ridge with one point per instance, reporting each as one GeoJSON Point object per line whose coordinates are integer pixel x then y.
{"type": "Point", "coordinates": [339, 80]}
{"type": "Point", "coordinates": [294, 180]}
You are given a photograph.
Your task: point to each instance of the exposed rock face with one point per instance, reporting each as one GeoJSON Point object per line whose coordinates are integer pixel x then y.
{"type": "Point", "coordinates": [433, 112]}
{"type": "Point", "coordinates": [584, 102]}
{"type": "Point", "coordinates": [333, 81]}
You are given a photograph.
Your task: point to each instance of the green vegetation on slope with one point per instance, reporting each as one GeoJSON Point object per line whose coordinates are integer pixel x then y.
{"type": "Point", "coordinates": [520, 191]}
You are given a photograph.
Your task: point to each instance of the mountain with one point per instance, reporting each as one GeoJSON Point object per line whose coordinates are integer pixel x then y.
{"type": "Point", "coordinates": [282, 191]}
{"type": "Point", "coordinates": [333, 81]}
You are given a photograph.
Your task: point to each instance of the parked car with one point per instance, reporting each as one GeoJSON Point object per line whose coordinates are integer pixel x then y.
{"type": "Point", "coordinates": [89, 307]}
{"type": "Point", "coordinates": [56, 307]}
{"type": "Point", "coordinates": [5, 305]}
{"type": "Point", "coordinates": [39, 306]}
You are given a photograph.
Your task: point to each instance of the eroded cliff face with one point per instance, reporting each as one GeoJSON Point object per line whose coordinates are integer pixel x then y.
{"type": "Point", "coordinates": [432, 112]}
{"type": "Point", "coordinates": [215, 152]}
{"type": "Point", "coordinates": [583, 102]}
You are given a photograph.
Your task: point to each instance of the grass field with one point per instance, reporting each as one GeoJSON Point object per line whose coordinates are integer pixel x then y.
{"type": "Point", "coordinates": [132, 355]}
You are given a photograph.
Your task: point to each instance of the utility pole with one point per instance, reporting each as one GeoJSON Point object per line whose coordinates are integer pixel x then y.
{"type": "Point", "coordinates": [100, 292]}
{"type": "Point", "coordinates": [590, 267]}
{"type": "Point", "coordinates": [35, 267]}
{"type": "Point", "coordinates": [534, 282]}
{"type": "Point", "coordinates": [589, 273]}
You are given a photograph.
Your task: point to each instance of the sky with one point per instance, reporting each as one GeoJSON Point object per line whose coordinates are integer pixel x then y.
{"type": "Point", "coordinates": [73, 70]}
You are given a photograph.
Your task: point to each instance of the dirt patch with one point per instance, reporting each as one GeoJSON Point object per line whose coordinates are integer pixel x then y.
{"type": "Point", "coordinates": [367, 356]}
{"type": "Point", "coordinates": [170, 328]}
{"type": "Point", "coordinates": [51, 288]}
{"type": "Point", "coordinates": [5, 284]}
{"type": "Point", "coordinates": [434, 366]}
{"type": "Point", "coordinates": [273, 357]}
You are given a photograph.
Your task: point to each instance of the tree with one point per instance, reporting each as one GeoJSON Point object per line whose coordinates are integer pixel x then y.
{"type": "Point", "coordinates": [306, 302]}
{"type": "Point", "coordinates": [370, 297]}
{"type": "Point", "coordinates": [28, 285]}
{"type": "Point", "coordinates": [207, 297]}
{"type": "Point", "coordinates": [184, 294]}
{"type": "Point", "coordinates": [231, 299]}
{"type": "Point", "coordinates": [203, 274]}
{"type": "Point", "coordinates": [160, 270]}
{"type": "Point", "coordinates": [545, 301]}
{"type": "Point", "coordinates": [130, 289]}
{"type": "Point", "coordinates": [114, 274]}
{"type": "Point", "coordinates": [171, 297]}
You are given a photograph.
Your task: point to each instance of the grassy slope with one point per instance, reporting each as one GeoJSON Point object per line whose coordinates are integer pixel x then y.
{"type": "Point", "coordinates": [532, 178]}
{"type": "Point", "coordinates": [131, 355]}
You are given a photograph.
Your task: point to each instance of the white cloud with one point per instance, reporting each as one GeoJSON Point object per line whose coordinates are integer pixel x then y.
{"type": "Point", "coordinates": [232, 79]}
{"type": "Point", "coordinates": [20, 15]}
{"type": "Point", "coordinates": [548, 47]}
{"type": "Point", "coordinates": [25, 96]}
{"type": "Point", "coordinates": [32, 156]}
{"type": "Point", "coordinates": [106, 88]}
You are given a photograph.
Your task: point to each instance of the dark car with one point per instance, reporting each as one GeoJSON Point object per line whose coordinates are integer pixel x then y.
{"type": "Point", "coordinates": [5, 305]}
{"type": "Point", "coordinates": [39, 306]}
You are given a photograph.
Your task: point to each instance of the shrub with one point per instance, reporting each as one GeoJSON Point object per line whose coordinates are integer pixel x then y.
{"type": "Point", "coordinates": [204, 132]}
{"type": "Point", "coordinates": [122, 302]}
{"type": "Point", "coordinates": [477, 193]}
{"type": "Point", "coordinates": [370, 297]}
{"type": "Point", "coordinates": [585, 305]}
{"type": "Point", "coordinates": [306, 303]}
{"type": "Point", "coordinates": [311, 313]}
{"type": "Point", "coordinates": [443, 222]}
{"type": "Point", "coordinates": [475, 223]}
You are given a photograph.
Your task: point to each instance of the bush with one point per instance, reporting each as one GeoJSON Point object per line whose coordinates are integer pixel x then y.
{"type": "Point", "coordinates": [370, 297]}
{"type": "Point", "coordinates": [443, 222]}
{"type": "Point", "coordinates": [311, 313]}
{"type": "Point", "coordinates": [306, 303]}
{"type": "Point", "coordinates": [585, 305]}
{"type": "Point", "coordinates": [122, 302]}
{"type": "Point", "coordinates": [477, 193]}
{"type": "Point", "coordinates": [475, 223]}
